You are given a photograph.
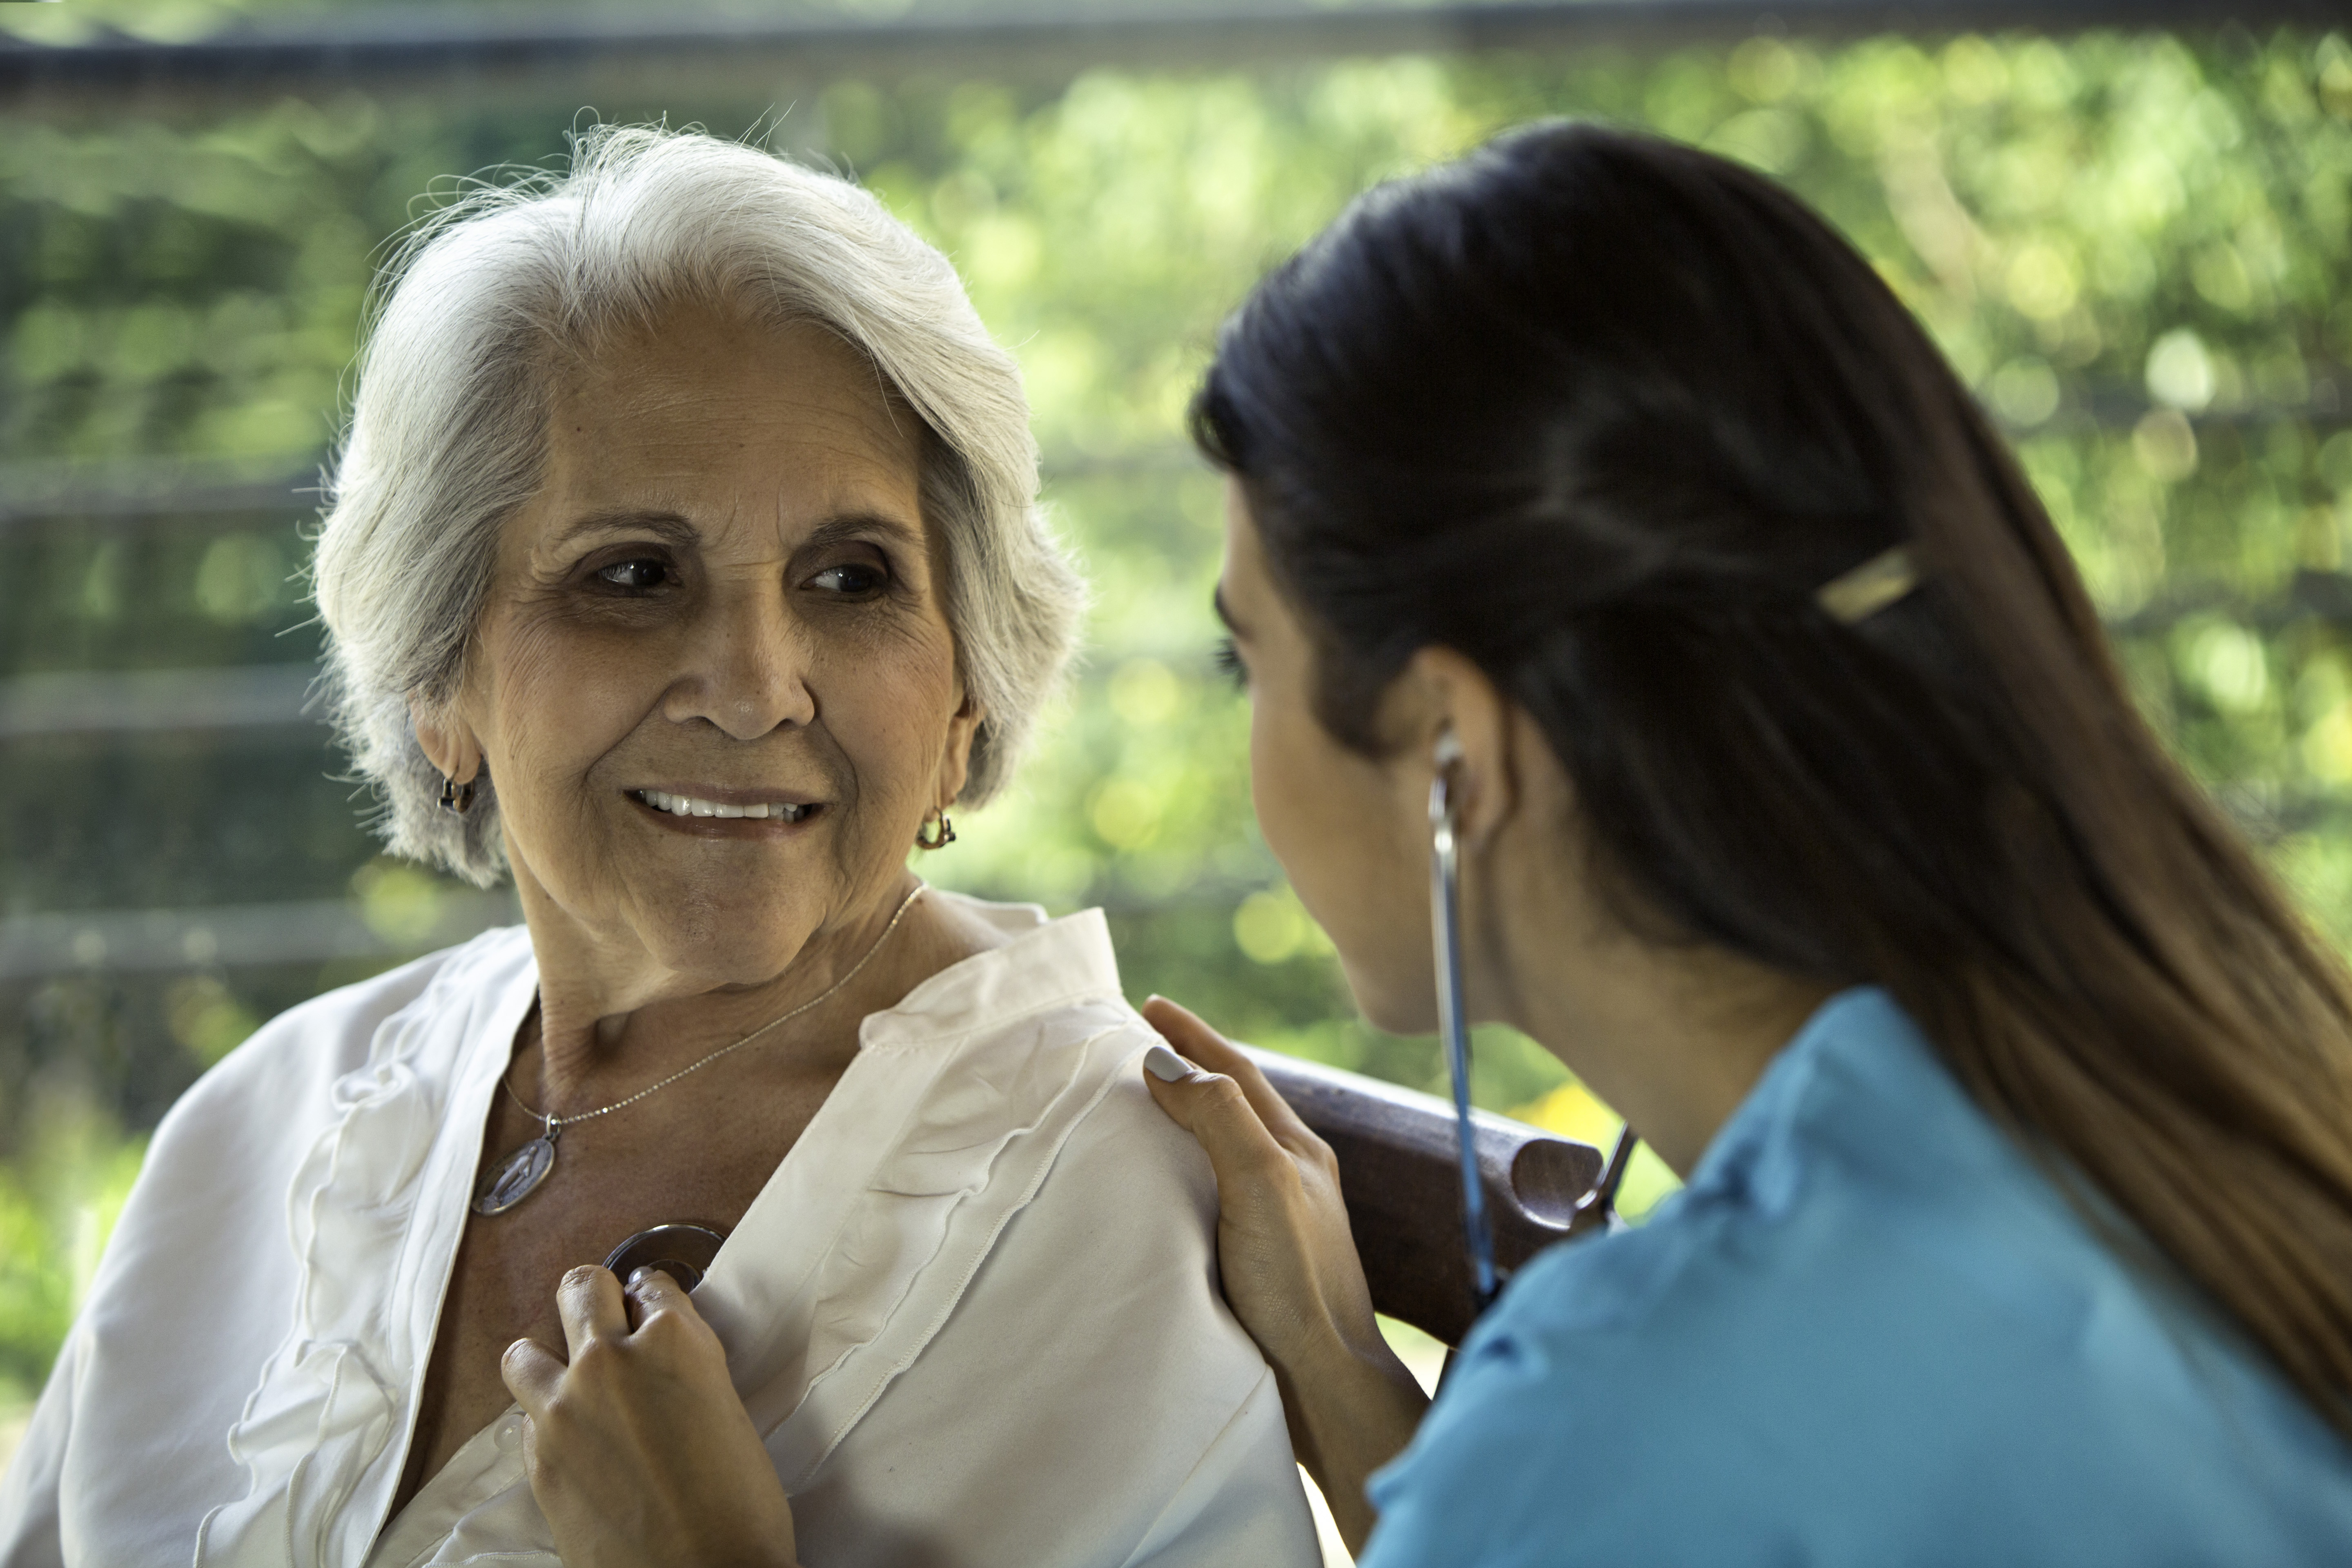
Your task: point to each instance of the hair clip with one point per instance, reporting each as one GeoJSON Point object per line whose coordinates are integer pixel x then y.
{"type": "Point", "coordinates": [1862, 592]}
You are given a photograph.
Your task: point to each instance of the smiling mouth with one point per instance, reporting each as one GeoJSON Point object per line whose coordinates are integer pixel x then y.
{"type": "Point", "coordinates": [693, 805]}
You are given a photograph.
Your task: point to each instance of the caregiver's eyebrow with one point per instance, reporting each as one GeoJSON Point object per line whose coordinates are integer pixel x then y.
{"type": "Point", "coordinates": [1225, 613]}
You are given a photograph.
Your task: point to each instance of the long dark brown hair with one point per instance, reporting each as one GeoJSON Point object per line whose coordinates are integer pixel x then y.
{"type": "Point", "coordinates": [1602, 412]}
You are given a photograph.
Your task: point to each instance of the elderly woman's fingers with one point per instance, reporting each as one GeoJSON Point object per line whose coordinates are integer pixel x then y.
{"type": "Point", "coordinates": [532, 1372]}
{"type": "Point", "coordinates": [655, 1289]}
{"type": "Point", "coordinates": [654, 1293]}
{"type": "Point", "coordinates": [640, 1452]}
{"type": "Point", "coordinates": [1191, 1035]}
{"type": "Point", "coordinates": [590, 1302]}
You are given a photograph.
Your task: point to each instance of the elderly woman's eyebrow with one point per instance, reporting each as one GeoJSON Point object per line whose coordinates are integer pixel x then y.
{"type": "Point", "coordinates": [865, 525]}
{"type": "Point", "coordinates": [678, 532]}
{"type": "Point", "coordinates": [622, 520]}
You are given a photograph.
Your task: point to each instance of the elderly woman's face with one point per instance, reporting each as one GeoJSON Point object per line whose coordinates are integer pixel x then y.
{"type": "Point", "coordinates": [715, 684]}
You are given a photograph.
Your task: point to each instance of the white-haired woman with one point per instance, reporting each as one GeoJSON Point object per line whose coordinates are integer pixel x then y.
{"type": "Point", "coordinates": [683, 562]}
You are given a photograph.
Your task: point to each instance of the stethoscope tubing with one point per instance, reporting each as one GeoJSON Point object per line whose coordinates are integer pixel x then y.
{"type": "Point", "coordinates": [1445, 930]}
{"type": "Point", "coordinates": [1445, 923]}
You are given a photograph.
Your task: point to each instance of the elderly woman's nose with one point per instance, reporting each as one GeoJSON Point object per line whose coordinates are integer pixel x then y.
{"type": "Point", "coordinates": [747, 669]}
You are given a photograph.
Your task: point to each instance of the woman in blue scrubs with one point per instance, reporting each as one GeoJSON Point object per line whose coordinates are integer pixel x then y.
{"type": "Point", "coordinates": [1803, 812]}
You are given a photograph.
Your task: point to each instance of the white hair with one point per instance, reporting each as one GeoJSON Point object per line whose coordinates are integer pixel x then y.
{"type": "Point", "coordinates": [447, 430]}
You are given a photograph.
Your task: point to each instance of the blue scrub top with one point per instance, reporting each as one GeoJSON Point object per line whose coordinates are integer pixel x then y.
{"type": "Point", "coordinates": [1869, 1332]}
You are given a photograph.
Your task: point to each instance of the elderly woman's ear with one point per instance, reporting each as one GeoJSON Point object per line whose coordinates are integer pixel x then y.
{"type": "Point", "coordinates": [447, 741]}
{"type": "Point", "coordinates": [955, 758]}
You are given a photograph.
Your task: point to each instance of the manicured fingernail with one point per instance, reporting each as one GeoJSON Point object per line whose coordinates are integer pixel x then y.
{"type": "Point", "coordinates": [1164, 1064]}
{"type": "Point", "coordinates": [641, 1276]}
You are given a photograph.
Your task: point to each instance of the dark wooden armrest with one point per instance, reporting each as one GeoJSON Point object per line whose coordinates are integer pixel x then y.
{"type": "Point", "coordinates": [1399, 1173]}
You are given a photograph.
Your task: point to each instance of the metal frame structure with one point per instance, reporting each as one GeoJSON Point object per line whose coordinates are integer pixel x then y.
{"type": "Point", "coordinates": [470, 49]}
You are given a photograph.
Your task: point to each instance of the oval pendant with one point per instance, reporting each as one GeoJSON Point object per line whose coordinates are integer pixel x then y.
{"type": "Point", "coordinates": [517, 1177]}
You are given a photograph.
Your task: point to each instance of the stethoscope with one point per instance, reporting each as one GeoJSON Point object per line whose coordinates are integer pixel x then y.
{"type": "Point", "coordinates": [684, 1252]}
{"type": "Point", "coordinates": [1596, 1208]}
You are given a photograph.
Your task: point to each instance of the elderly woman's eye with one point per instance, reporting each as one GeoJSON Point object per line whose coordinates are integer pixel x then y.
{"type": "Point", "coordinates": [638, 574]}
{"type": "Point", "coordinates": [856, 578]}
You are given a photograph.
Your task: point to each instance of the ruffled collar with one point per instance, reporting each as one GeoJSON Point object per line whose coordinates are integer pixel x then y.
{"type": "Point", "coordinates": [374, 1214]}
{"type": "Point", "coordinates": [848, 1262]}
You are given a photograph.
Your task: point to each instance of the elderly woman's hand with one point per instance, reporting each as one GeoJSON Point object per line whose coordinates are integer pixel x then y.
{"type": "Point", "coordinates": [639, 1451]}
{"type": "Point", "coordinates": [1288, 1264]}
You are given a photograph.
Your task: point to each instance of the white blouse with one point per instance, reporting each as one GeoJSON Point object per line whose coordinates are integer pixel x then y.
{"type": "Point", "coordinates": [974, 1310]}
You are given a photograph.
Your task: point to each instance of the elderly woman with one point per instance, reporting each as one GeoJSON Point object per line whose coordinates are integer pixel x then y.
{"type": "Point", "coordinates": [684, 564]}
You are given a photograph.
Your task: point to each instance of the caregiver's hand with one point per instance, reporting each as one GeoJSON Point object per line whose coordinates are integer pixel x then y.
{"type": "Point", "coordinates": [639, 1451]}
{"type": "Point", "coordinates": [1289, 1266]}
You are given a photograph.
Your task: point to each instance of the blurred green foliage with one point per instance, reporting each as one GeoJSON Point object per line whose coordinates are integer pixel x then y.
{"type": "Point", "coordinates": [2133, 245]}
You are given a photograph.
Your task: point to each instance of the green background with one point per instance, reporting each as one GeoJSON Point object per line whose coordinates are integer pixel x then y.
{"type": "Point", "coordinates": [2133, 245]}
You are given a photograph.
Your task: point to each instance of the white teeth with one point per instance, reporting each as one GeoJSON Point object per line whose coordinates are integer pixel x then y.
{"type": "Point", "coordinates": [689, 806]}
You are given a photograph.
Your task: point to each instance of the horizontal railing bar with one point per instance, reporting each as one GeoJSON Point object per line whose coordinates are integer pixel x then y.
{"type": "Point", "coordinates": [474, 45]}
{"type": "Point", "coordinates": [113, 702]}
{"type": "Point", "coordinates": [99, 506]}
{"type": "Point", "coordinates": [312, 931]}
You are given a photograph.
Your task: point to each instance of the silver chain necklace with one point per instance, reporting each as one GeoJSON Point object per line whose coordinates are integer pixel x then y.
{"type": "Point", "coordinates": [526, 1169]}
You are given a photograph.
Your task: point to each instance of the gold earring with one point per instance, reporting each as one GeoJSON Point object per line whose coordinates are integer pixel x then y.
{"type": "Point", "coordinates": [945, 837]}
{"type": "Point", "coordinates": [455, 798]}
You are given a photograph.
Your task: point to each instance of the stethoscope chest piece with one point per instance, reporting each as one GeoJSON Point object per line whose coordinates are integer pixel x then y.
{"type": "Point", "coordinates": [681, 1251]}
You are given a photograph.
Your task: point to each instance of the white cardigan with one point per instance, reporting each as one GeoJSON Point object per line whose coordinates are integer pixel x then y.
{"type": "Point", "coordinates": [974, 1310]}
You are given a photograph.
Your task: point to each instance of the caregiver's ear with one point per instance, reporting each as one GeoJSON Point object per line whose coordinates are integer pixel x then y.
{"type": "Point", "coordinates": [447, 740]}
{"type": "Point", "coordinates": [1447, 694]}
